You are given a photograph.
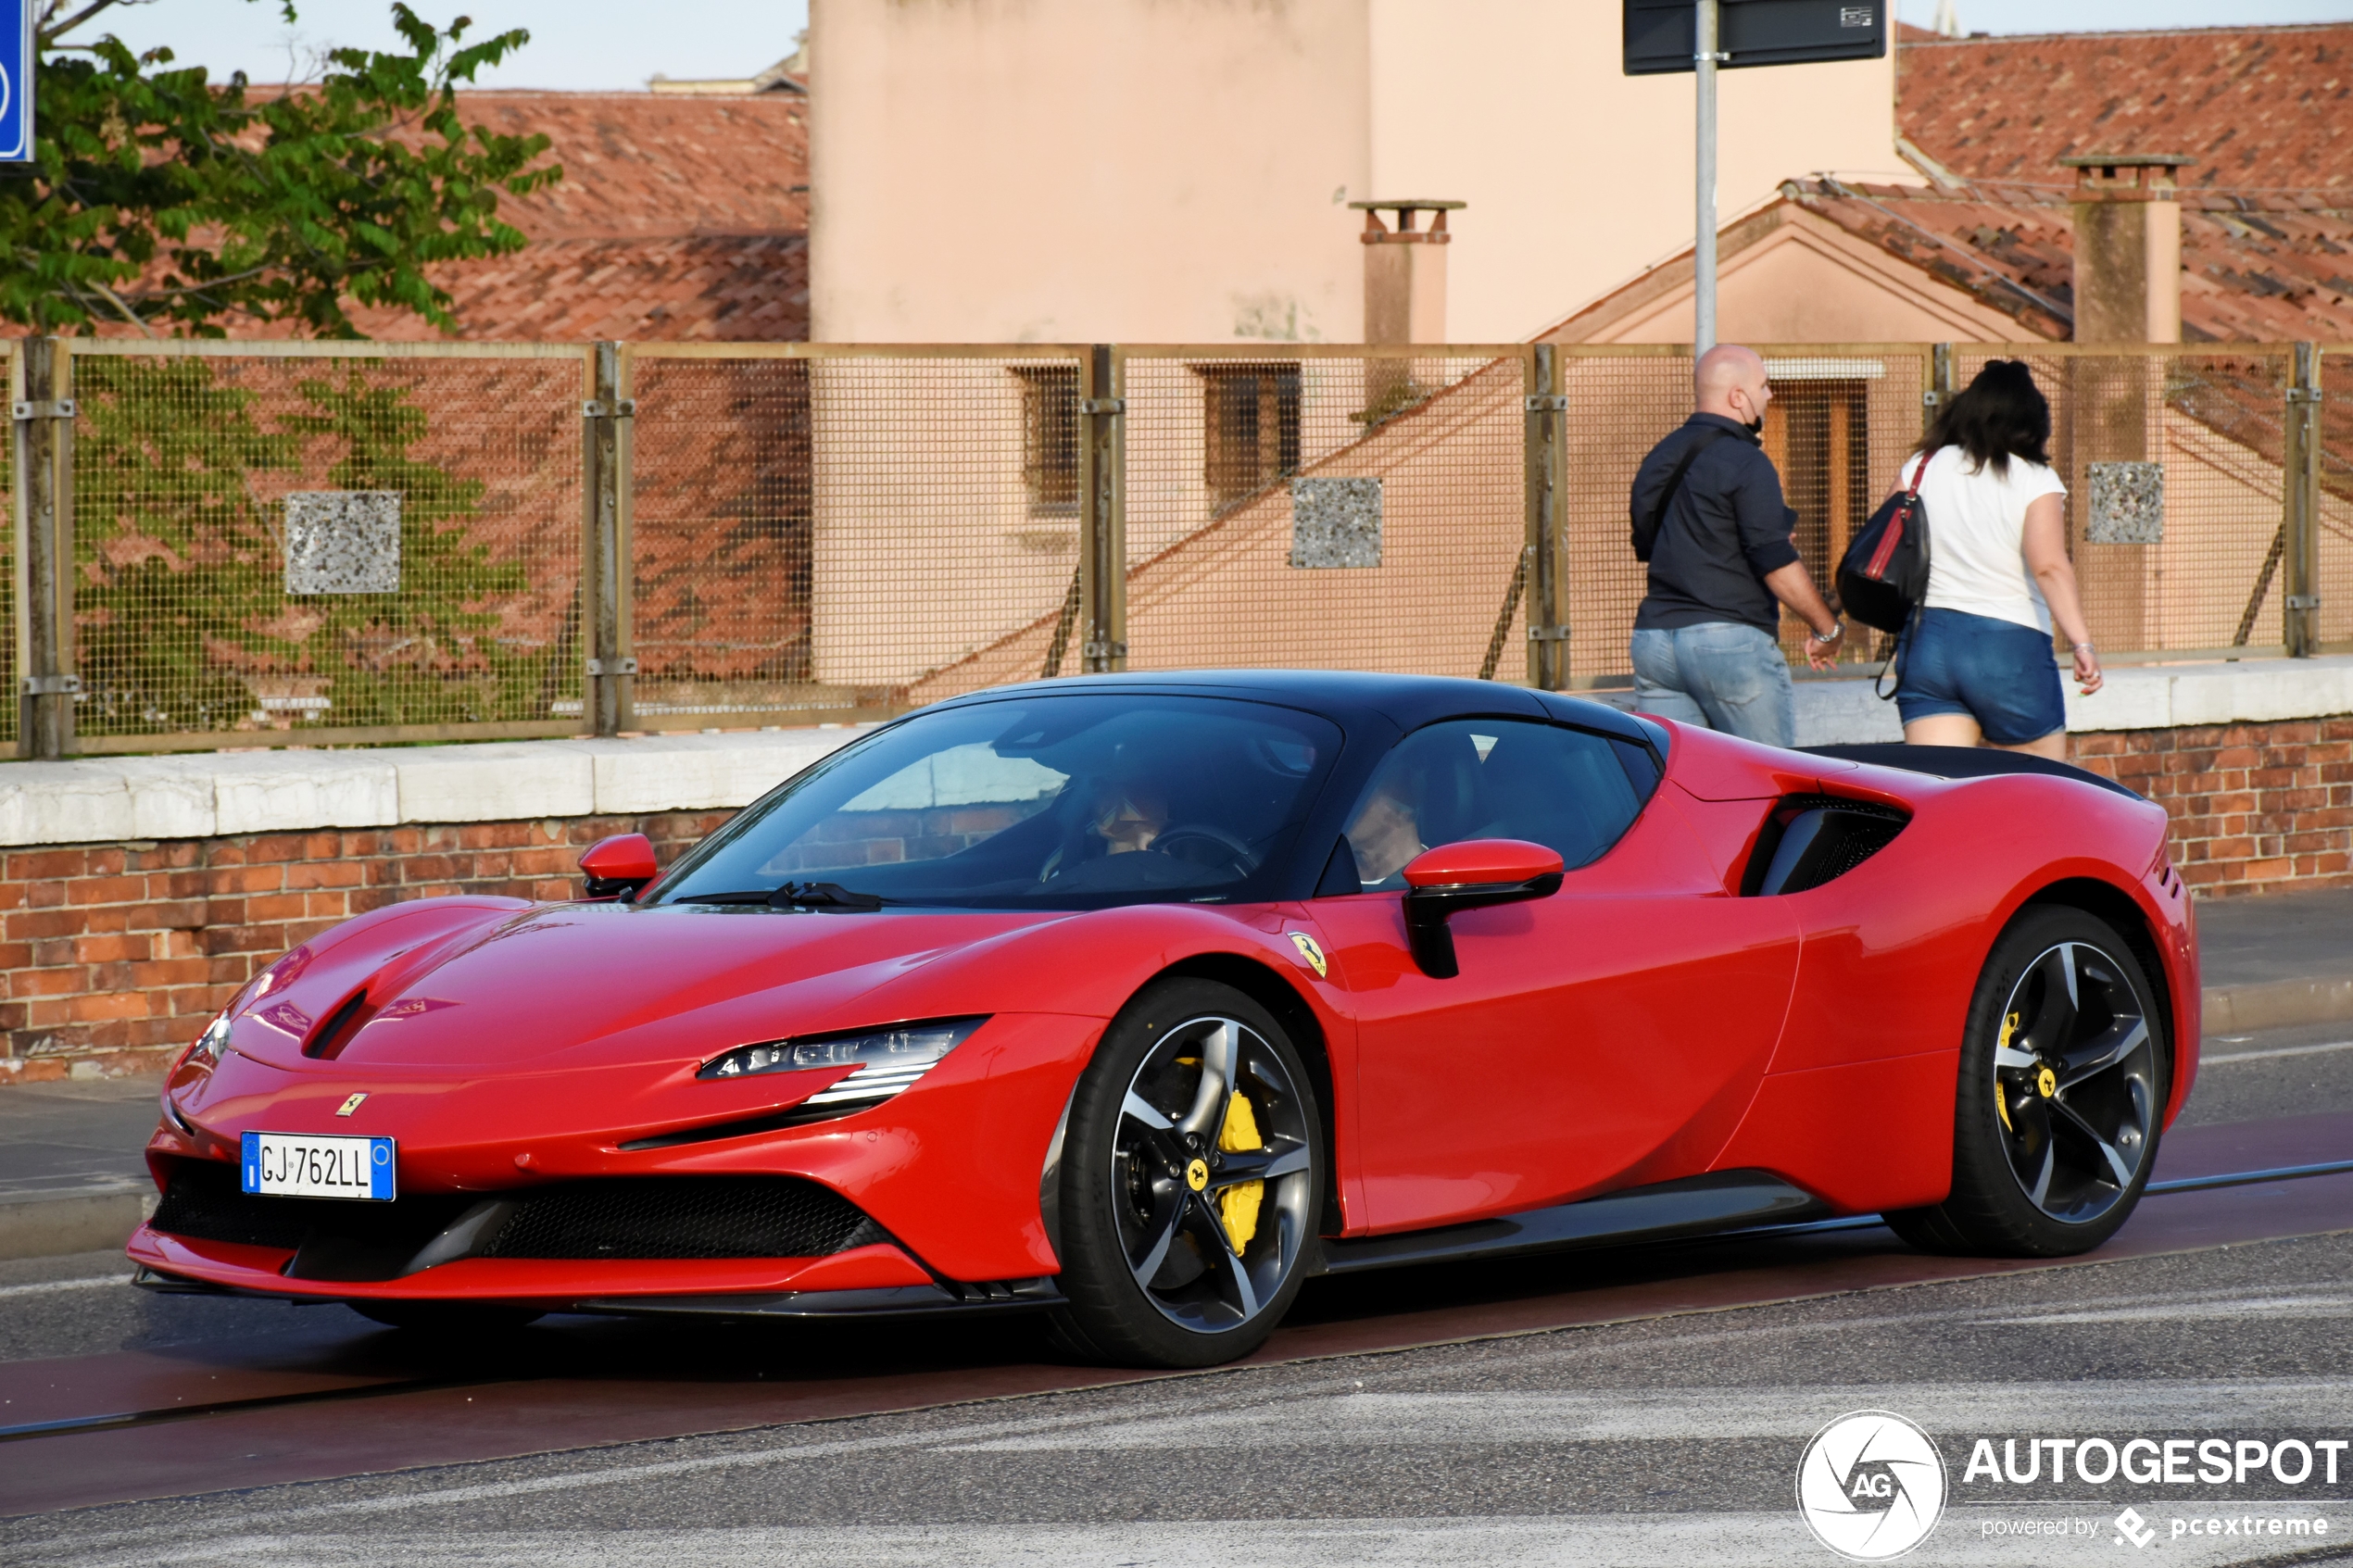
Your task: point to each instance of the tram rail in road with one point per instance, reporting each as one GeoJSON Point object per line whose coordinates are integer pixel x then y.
{"type": "Point", "coordinates": [329, 1402]}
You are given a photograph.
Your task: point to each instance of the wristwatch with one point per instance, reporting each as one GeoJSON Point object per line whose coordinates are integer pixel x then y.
{"type": "Point", "coordinates": [1838, 630]}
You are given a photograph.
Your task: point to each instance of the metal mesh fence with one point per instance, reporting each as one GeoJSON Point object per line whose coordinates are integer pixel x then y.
{"type": "Point", "coordinates": [2333, 555]}
{"type": "Point", "coordinates": [289, 540]}
{"type": "Point", "coordinates": [1337, 509]}
{"type": "Point", "coordinates": [2172, 464]}
{"type": "Point", "coordinates": [820, 529]}
{"type": "Point", "coordinates": [315, 543]}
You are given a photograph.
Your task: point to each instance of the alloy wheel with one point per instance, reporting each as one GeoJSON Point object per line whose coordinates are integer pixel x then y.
{"type": "Point", "coordinates": [1211, 1180]}
{"type": "Point", "coordinates": [2075, 1083]}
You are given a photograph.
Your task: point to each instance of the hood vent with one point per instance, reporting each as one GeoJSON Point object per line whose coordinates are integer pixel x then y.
{"type": "Point", "coordinates": [1811, 839]}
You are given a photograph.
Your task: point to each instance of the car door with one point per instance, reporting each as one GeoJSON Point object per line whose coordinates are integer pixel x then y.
{"type": "Point", "coordinates": [1609, 1035]}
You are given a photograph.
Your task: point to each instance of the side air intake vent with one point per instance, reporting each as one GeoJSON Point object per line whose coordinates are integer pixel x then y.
{"type": "Point", "coordinates": [1811, 839]}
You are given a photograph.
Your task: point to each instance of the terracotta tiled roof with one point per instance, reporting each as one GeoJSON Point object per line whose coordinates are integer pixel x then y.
{"type": "Point", "coordinates": [640, 165]}
{"type": "Point", "coordinates": [731, 288]}
{"type": "Point", "coordinates": [2257, 267]}
{"type": "Point", "coordinates": [2258, 107]}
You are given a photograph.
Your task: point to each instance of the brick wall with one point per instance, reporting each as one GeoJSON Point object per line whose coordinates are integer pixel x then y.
{"type": "Point", "coordinates": [2256, 808]}
{"type": "Point", "coordinates": [114, 956]}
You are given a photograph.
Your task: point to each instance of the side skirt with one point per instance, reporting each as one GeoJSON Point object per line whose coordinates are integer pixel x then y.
{"type": "Point", "coordinates": [1721, 1201]}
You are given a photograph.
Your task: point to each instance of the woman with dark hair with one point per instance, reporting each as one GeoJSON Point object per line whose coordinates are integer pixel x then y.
{"type": "Point", "coordinates": [1976, 665]}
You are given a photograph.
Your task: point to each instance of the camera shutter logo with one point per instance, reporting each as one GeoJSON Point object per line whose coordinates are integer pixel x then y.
{"type": "Point", "coordinates": [1871, 1485]}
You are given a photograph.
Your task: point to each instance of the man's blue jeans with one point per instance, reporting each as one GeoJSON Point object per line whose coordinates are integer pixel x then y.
{"type": "Point", "coordinates": [1720, 674]}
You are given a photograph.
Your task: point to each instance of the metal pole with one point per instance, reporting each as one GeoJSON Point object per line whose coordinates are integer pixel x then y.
{"type": "Point", "coordinates": [2299, 525]}
{"type": "Point", "coordinates": [1705, 57]}
{"type": "Point", "coordinates": [605, 563]}
{"type": "Point", "coordinates": [1547, 575]}
{"type": "Point", "coordinates": [1102, 545]}
{"type": "Point", "coordinates": [43, 420]}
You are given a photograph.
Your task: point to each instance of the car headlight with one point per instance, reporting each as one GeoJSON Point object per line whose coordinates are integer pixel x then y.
{"type": "Point", "coordinates": [211, 1043]}
{"type": "Point", "coordinates": [887, 1061]}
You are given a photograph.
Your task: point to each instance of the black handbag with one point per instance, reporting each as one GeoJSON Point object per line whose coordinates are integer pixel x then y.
{"type": "Point", "coordinates": [1883, 575]}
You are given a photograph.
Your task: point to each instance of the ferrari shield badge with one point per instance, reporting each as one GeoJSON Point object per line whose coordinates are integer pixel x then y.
{"type": "Point", "coordinates": [351, 1105]}
{"type": "Point", "coordinates": [1310, 952]}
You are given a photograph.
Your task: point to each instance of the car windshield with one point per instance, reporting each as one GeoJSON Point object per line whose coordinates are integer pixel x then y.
{"type": "Point", "coordinates": [1060, 801]}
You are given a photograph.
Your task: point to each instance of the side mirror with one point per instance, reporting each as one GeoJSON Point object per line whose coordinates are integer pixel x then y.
{"type": "Point", "coordinates": [1469, 875]}
{"type": "Point", "coordinates": [619, 866]}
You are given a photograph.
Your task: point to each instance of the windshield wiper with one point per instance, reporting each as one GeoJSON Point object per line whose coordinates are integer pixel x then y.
{"type": "Point", "coordinates": [792, 895]}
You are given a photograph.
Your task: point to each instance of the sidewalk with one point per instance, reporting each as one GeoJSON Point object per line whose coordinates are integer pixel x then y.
{"type": "Point", "coordinates": [72, 1180]}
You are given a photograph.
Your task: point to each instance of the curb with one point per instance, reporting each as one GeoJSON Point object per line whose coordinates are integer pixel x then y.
{"type": "Point", "coordinates": [2231, 1009]}
{"type": "Point", "coordinates": [88, 1220]}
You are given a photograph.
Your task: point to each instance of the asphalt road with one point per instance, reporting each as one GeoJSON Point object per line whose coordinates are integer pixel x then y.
{"type": "Point", "coordinates": [1663, 1441]}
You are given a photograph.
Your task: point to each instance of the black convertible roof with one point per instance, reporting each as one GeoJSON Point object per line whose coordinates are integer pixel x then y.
{"type": "Point", "coordinates": [1407, 701]}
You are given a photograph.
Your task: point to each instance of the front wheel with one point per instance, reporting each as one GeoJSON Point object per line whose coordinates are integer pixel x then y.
{"type": "Point", "coordinates": [2063, 1083]}
{"type": "Point", "coordinates": [1191, 1174]}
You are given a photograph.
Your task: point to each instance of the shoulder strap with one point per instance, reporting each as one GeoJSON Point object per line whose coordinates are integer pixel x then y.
{"type": "Point", "coordinates": [1675, 482]}
{"type": "Point", "coordinates": [1919, 470]}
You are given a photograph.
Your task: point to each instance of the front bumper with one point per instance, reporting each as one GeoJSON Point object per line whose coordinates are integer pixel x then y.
{"type": "Point", "coordinates": [948, 1172]}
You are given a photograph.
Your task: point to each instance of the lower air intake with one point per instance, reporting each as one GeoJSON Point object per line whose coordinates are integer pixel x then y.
{"type": "Point", "coordinates": [643, 1217]}
{"type": "Point", "coordinates": [684, 1217]}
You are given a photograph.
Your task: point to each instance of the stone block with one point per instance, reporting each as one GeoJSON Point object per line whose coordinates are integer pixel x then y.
{"type": "Point", "coordinates": [498, 782]}
{"type": "Point", "coordinates": [278, 792]}
{"type": "Point", "coordinates": [82, 802]}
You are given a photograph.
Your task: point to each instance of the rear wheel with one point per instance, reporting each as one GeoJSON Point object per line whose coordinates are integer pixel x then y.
{"type": "Point", "coordinates": [2062, 1084]}
{"type": "Point", "coordinates": [450, 1319]}
{"type": "Point", "coordinates": [1191, 1174]}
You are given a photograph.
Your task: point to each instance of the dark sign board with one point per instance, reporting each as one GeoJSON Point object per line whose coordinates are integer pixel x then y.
{"type": "Point", "coordinates": [1659, 33]}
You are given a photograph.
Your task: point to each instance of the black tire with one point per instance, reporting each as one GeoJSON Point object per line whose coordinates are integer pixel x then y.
{"type": "Point", "coordinates": [447, 1319]}
{"type": "Point", "coordinates": [2063, 1077]}
{"type": "Point", "coordinates": [1151, 1203]}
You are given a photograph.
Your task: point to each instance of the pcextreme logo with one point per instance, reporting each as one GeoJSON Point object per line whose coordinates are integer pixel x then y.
{"type": "Point", "coordinates": [1871, 1485]}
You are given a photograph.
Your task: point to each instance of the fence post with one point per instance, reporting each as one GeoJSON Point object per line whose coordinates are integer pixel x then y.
{"type": "Point", "coordinates": [41, 417]}
{"type": "Point", "coordinates": [605, 563]}
{"type": "Point", "coordinates": [1940, 384]}
{"type": "Point", "coordinates": [2300, 504]}
{"type": "Point", "coordinates": [1103, 543]}
{"type": "Point", "coordinates": [1545, 554]}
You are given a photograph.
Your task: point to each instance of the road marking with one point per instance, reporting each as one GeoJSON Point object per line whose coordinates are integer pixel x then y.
{"type": "Point", "coordinates": [1759, 1539]}
{"type": "Point", "coordinates": [2260, 1307]}
{"type": "Point", "coordinates": [1704, 1415]}
{"type": "Point", "coordinates": [47, 1285]}
{"type": "Point", "coordinates": [2276, 1050]}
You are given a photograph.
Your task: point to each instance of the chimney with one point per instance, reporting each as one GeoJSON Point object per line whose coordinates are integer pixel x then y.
{"type": "Point", "coordinates": [1405, 271]}
{"type": "Point", "coordinates": [2128, 247]}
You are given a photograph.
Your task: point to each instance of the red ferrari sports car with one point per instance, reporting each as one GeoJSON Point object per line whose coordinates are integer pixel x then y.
{"type": "Point", "coordinates": [1141, 999]}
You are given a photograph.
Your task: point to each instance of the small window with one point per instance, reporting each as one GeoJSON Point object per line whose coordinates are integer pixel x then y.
{"type": "Point", "coordinates": [1488, 778]}
{"type": "Point", "coordinates": [1049, 438]}
{"type": "Point", "coordinates": [1250, 417]}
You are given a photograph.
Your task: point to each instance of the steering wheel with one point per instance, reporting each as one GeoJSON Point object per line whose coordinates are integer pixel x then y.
{"type": "Point", "coordinates": [1226, 848]}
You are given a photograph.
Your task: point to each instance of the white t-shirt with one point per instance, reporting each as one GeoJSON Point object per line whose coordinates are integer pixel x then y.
{"type": "Point", "coordinates": [1976, 536]}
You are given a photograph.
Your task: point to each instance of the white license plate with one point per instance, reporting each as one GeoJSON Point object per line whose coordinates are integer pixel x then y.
{"type": "Point", "coordinates": [301, 1165]}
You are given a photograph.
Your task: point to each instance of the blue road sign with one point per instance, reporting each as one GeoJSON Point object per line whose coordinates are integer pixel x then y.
{"type": "Point", "coordinates": [16, 81]}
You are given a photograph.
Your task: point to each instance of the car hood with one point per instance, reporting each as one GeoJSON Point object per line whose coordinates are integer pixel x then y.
{"type": "Point", "coordinates": [574, 986]}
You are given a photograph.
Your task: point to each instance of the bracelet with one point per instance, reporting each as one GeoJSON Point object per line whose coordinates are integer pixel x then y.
{"type": "Point", "coordinates": [1837, 631]}
{"type": "Point", "coordinates": [2081, 648]}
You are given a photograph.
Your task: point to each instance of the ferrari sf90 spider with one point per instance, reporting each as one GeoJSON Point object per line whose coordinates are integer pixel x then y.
{"type": "Point", "coordinates": [1142, 1000]}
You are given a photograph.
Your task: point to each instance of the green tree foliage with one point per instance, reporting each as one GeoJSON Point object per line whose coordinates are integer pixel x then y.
{"type": "Point", "coordinates": [181, 593]}
{"type": "Point", "coordinates": [160, 197]}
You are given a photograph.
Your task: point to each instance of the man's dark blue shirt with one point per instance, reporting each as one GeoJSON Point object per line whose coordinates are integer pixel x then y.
{"type": "Point", "coordinates": [1725, 529]}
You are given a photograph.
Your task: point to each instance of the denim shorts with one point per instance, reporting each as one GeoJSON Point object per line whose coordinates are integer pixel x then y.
{"type": "Point", "coordinates": [2000, 673]}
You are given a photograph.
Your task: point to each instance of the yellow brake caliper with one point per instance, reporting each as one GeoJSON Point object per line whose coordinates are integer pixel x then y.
{"type": "Point", "coordinates": [1237, 1205]}
{"type": "Point", "coordinates": [2001, 1095]}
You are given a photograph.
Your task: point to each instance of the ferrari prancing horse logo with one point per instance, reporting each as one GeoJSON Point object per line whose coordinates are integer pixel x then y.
{"type": "Point", "coordinates": [1310, 952]}
{"type": "Point", "coordinates": [352, 1104]}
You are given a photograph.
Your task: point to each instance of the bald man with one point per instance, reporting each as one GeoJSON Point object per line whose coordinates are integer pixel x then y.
{"type": "Point", "coordinates": [1709, 519]}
